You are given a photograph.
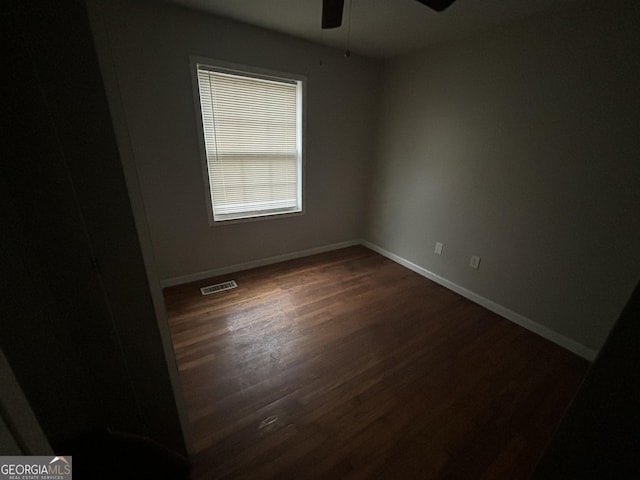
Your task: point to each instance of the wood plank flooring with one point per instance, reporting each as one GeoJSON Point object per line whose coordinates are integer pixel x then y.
{"type": "Point", "coordinates": [347, 365]}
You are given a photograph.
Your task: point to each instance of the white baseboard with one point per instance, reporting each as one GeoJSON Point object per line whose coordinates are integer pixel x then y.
{"type": "Point", "coordinates": [525, 322]}
{"type": "Point", "coordinates": [194, 277]}
{"type": "Point", "coordinates": [521, 320]}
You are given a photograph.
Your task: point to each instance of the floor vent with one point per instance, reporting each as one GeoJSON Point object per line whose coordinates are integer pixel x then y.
{"type": "Point", "coordinates": [219, 287]}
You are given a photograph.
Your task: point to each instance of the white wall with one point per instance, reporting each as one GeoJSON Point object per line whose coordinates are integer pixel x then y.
{"type": "Point", "coordinates": [517, 145]}
{"type": "Point", "coordinates": [149, 47]}
{"type": "Point", "coordinates": [521, 146]}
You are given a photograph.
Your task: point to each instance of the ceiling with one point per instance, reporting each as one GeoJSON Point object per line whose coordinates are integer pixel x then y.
{"type": "Point", "coordinates": [379, 28]}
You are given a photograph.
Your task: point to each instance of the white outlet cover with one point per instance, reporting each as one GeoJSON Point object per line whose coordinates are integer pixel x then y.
{"type": "Point", "coordinates": [438, 249]}
{"type": "Point", "coordinates": [475, 262]}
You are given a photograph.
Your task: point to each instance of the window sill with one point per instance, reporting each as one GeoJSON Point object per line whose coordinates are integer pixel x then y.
{"type": "Point", "coordinates": [255, 218]}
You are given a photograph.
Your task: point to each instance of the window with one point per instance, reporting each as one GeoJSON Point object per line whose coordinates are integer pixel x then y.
{"type": "Point", "coordinates": [251, 134]}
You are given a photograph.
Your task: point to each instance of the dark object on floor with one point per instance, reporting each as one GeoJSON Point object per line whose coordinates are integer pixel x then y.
{"type": "Point", "coordinates": [103, 454]}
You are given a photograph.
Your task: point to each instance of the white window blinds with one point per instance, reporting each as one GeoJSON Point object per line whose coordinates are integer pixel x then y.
{"type": "Point", "coordinates": [252, 136]}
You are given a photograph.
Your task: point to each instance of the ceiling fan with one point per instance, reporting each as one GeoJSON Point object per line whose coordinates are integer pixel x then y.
{"type": "Point", "coordinates": [332, 10]}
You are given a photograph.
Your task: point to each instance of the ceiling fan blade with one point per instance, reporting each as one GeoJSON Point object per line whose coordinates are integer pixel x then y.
{"type": "Point", "coordinates": [332, 13]}
{"type": "Point", "coordinates": [437, 5]}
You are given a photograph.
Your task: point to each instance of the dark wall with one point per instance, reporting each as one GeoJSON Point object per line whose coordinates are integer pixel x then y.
{"type": "Point", "coordinates": [600, 435]}
{"type": "Point", "coordinates": [34, 333]}
{"type": "Point", "coordinates": [80, 329]}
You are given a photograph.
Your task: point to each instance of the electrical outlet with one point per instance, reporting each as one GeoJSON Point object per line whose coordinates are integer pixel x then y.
{"type": "Point", "coordinates": [438, 249]}
{"type": "Point", "coordinates": [475, 262]}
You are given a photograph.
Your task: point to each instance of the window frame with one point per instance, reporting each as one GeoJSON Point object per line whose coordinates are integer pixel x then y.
{"type": "Point", "coordinates": [255, 72]}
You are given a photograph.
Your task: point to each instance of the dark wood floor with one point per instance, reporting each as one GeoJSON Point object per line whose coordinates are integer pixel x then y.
{"type": "Point", "coordinates": [347, 365]}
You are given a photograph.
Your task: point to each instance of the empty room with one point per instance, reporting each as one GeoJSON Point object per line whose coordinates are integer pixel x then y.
{"type": "Point", "coordinates": [326, 239]}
